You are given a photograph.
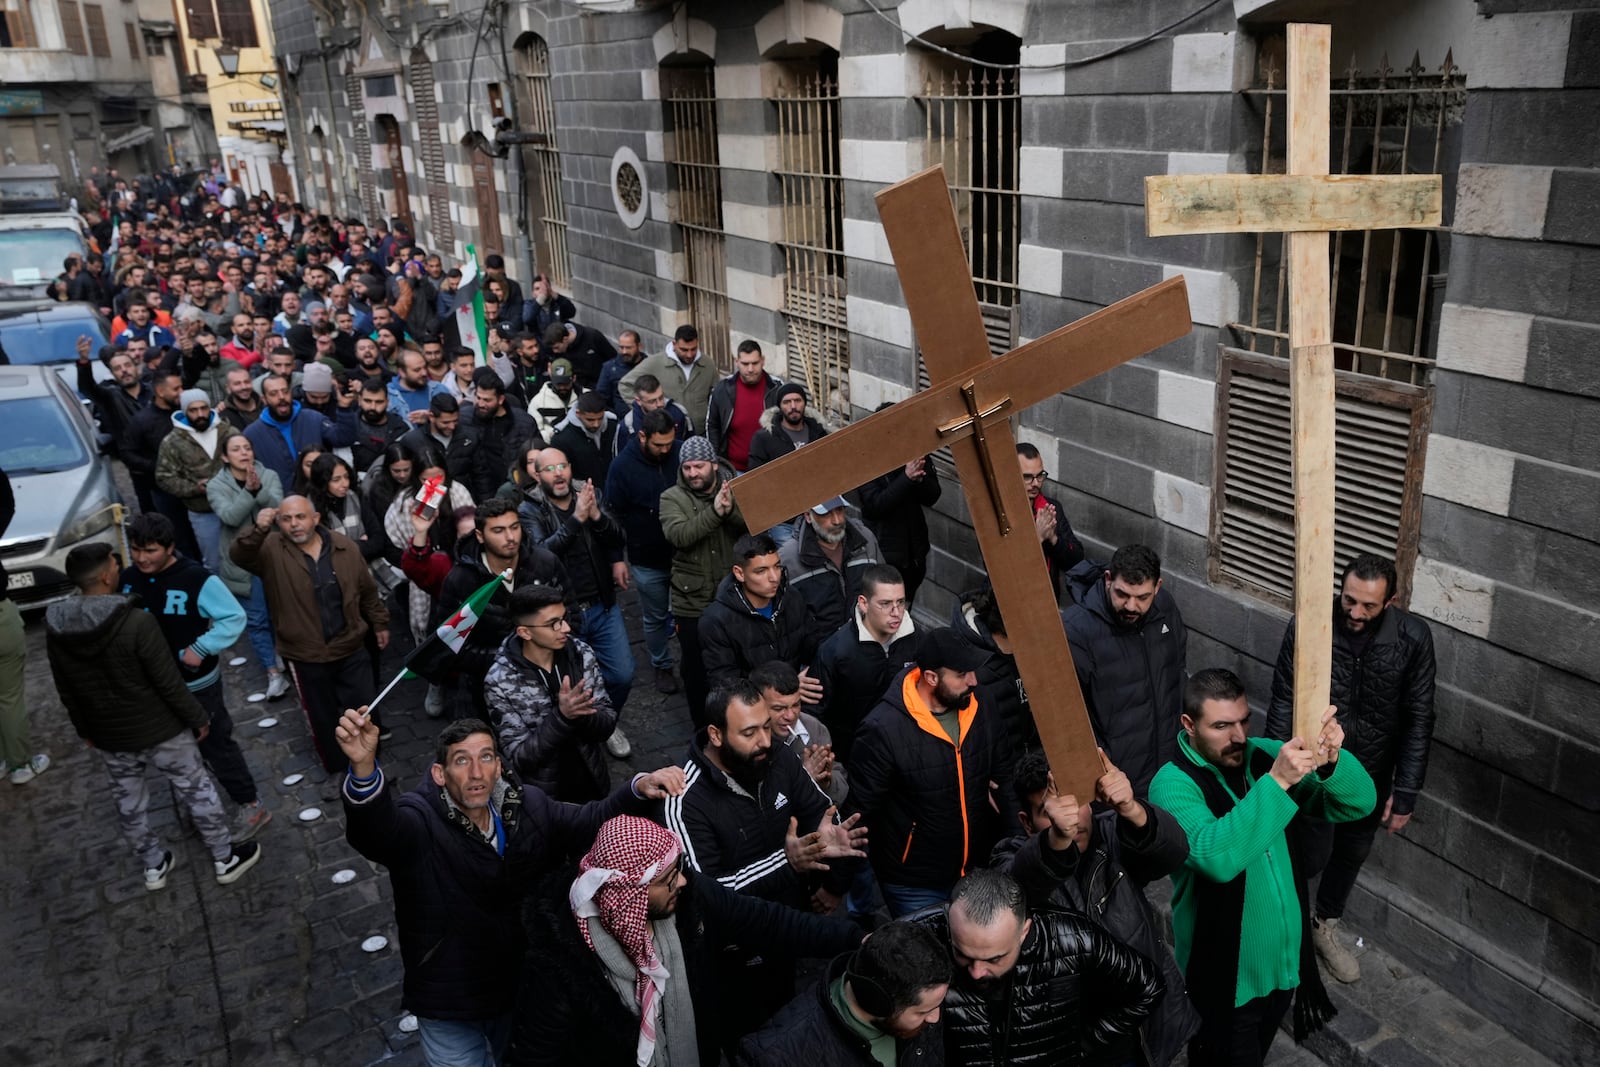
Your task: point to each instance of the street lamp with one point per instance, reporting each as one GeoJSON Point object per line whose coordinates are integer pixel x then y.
{"type": "Point", "coordinates": [228, 59]}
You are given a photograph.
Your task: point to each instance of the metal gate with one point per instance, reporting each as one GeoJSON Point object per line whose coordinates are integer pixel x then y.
{"type": "Point", "coordinates": [696, 205]}
{"type": "Point", "coordinates": [431, 148]}
{"type": "Point", "coordinates": [542, 163]}
{"type": "Point", "coordinates": [813, 242]}
{"type": "Point", "coordinates": [367, 186]}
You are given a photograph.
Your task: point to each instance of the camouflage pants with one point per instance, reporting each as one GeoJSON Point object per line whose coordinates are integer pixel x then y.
{"type": "Point", "coordinates": [178, 760]}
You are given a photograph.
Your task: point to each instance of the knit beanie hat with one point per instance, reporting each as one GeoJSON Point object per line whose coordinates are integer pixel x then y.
{"type": "Point", "coordinates": [317, 378]}
{"type": "Point", "coordinates": [697, 450]}
{"type": "Point", "coordinates": [192, 396]}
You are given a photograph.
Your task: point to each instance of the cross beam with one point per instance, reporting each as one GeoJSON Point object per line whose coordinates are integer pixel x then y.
{"type": "Point", "coordinates": [1306, 203]}
{"type": "Point", "coordinates": [969, 389]}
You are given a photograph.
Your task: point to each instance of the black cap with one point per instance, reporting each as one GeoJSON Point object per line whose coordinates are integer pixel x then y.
{"type": "Point", "coordinates": [946, 649]}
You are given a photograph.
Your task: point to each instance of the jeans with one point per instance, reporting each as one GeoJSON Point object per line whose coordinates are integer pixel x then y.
{"type": "Point", "coordinates": [258, 625]}
{"type": "Point", "coordinates": [454, 1043]}
{"type": "Point", "coordinates": [1239, 1037]}
{"type": "Point", "coordinates": [655, 594]}
{"type": "Point", "coordinates": [207, 530]}
{"type": "Point", "coordinates": [221, 752]}
{"type": "Point", "coordinates": [606, 633]}
{"type": "Point", "coordinates": [905, 899]}
{"type": "Point", "coordinates": [16, 741]}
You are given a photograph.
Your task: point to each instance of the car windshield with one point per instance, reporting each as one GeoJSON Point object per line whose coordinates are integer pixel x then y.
{"type": "Point", "coordinates": [39, 437]}
{"type": "Point", "coordinates": [32, 257]}
{"type": "Point", "coordinates": [27, 340]}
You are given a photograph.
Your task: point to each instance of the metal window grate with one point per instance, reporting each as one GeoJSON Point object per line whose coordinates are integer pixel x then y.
{"type": "Point", "coordinates": [973, 130]}
{"type": "Point", "coordinates": [696, 204]}
{"type": "Point", "coordinates": [422, 98]}
{"type": "Point", "coordinates": [542, 162]}
{"type": "Point", "coordinates": [366, 183]}
{"type": "Point", "coordinates": [813, 241]}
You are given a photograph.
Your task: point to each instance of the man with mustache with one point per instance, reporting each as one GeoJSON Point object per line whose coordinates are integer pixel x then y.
{"type": "Point", "coordinates": [1129, 646]}
{"type": "Point", "coordinates": [1241, 914]}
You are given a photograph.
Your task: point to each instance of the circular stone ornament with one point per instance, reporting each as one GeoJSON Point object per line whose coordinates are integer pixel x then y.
{"type": "Point", "coordinates": [630, 189]}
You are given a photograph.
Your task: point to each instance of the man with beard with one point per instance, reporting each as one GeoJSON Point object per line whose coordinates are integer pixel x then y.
{"type": "Point", "coordinates": [444, 431]}
{"type": "Point", "coordinates": [118, 400]}
{"type": "Point", "coordinates": [242, 405]}
{"type": "Point", "coordinates": [505, 433]}
{"type": "Point", "coordinates": [648, 396]}
{"type": "Point", "coordinates": [433, 354]}
{"type": "Point", "coordinates": [926, 769]}
{"type": "Point", "coordinates": [1241, 911]}
{"type": "Point", "coordinates": [376, 426]}
{"type": "Point", "coordinates": [1048, 988]}
{"type": "Point", "coordinates": [569, 520]}
{"type": "Point", "coordinates": [628, 355]}
{"type": "Point", "coordinates": [279, 360]}
{"type": "Point", "coordinates": [369, 362]}
{"type": "Point", "coordinates": [285, 429]}
{"type": "Point", "coordinates": [751, 817]}
{"type": "Point", "coordinates": [1129, 645]}
{"type": "Point", "coordinates": [550, 406]}
{"type": "Point", "coordinates": [737, 404]}
{"type": "Point", "coordinates": [646, 467]}
{"type": "Point", "coordinates": [754, 619]}
{"type": "Point", "coordinates": [585, 347]}
{"type": "Point", "coordinates": [684, 374]}
{"type": "Point", "coordinates": [1382, 684]}
{"type": "Point", "coordinates": [1062, 549]}
{"type": "Point", "coordinates": [785, 426]}
{"type": "Point", "coordinates": [701, 522]}
{"type": "Point", "coordinates": [141, 450]}
{"type": "Point", "coordinates": [590, 436]}
{"type": "Point", "coordinates": [825, 563]}
{"type": "Point", "coordinates": [412, 390]}
{"type": "Point", "coordinates": [190, 456]}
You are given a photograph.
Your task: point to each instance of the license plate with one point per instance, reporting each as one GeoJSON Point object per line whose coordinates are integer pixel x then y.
{"type": "Point", "coordinates": [20, 580]}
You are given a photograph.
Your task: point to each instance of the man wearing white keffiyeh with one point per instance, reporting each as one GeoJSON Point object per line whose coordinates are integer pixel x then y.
{"type": "Point", "coordinates": [630, 881]}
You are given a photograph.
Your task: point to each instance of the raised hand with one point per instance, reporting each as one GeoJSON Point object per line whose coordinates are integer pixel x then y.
{"type": "Point", "coordinates": [1114, 788]}
{"type": "Point", "coordinates": [1062, 811]}
{"type": "Point", "coordinates": [575, 701]}
{"type": "Point", "coordinates": [841, 840]}
{"type": "Point", "coordinates": [1331, 739]}
{"type": "Point", "coordinates": [723, 503]}
{"type": "Point", "coordinates": [660, 784]}
{"type": "Point", "coordinates": [266, 517]}
{"type": "Point", "coordinates": [819, 763]}
{"type": "Point", "coordinates": [1294, 762]}
{"type": "Point", "coordinates": [357, 735]}
{"type": "Point", "coordinates": [810, 688]}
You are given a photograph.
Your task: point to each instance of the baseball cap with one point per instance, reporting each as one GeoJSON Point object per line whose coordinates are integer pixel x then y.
{"type": "Point", "coordinates": [561, 371]}
{"type": "Point", "coordinates": [946, 649]}
{"type": "Point", "coordinates": [828, 505]}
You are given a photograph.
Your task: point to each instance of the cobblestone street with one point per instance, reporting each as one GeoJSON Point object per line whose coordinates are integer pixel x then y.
{"type": "Point", "coordinates": [267, 971]}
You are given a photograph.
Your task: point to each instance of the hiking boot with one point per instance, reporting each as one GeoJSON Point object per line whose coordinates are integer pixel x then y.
{"type": "Point", "coordinates": [251, 818]}
{"type": "Point", "coordinates": [666, 684]}
{"type": "Point", "coordinates": [277, 685]}
{"type": "Point", "coordinates": [29, 771]}
{"type": "Point", "coordinates": [433, 703]}
{"type": "Point", "coordinates": [242, 859]}
{"type": "Point", "coordinates": [156, 877]}
{"type": "Point", "coordinates": [1339, 961]}
{"type": "Point", "coordinates": [617, 744]}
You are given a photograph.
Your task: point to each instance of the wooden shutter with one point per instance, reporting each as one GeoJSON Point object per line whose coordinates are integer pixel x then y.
{"type": "Point", "coordinates": [202, 19]}
{"type": "Point", "coordinates": [72, 27]}
{"type": "Point", "coordinates": [99, 45]}
{"type": "Point", "coordinates": [431, 149]}
{"type": "Point", "coordinates": [133, 40]}
{"type": "Point", "coordinates": [19, 24]}
{"type": "Point", "coordinates": [1380, 428]}
{"type": "Point", "coordinates": [236, 23]}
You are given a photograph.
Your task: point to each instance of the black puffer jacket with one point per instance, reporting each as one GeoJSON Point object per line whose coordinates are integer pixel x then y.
{"type": "Point", "coordinates": [1075, 990]}
{"type": "Point", "coordinates": [457, 901]}
{"type": "Point", "coordinates": [829, 593]}
{"type": "Point", "coordinates": [892, 507]}
{"type": "Point", "coordinates": [535, 566]}
{"type": "Point", "coordinates": [735, 639]}
{"type": "Point", "coordinates": [855, 671]}
{"type": "Point", "coordinates": [570, 1012]}
{"type": "Point", "coordinates": [771, 442]}
{"type": "Point", "coordinates": [585, 549]}
{"type": "Point", "coordinates": [809, 1033]}
{"type": "Point", "coordinates": [1384, 697]}
{"type": "Point", "coordinates": [1132, 677]}
{"type": "Point", "coordinates": [998, 679]}
{"type": "Point", "coordinates": [927, 802]}
{"type": "Point", "coordinates": [1106, 883]}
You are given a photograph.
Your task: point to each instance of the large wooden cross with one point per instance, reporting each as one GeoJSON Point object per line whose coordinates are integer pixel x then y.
{"type": "Point", "coordinates": [1307, 203]}
{"type": "Point", "coordinates": [966, 407]}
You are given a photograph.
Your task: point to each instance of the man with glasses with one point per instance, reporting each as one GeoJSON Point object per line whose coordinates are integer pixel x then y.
{"type": "Point", "coordinates": [548, 700]}
{"type": "Point", "coordinates": [1062, 549]}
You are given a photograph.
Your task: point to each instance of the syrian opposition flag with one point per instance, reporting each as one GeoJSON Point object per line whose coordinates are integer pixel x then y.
{"type": "Point", "coordinates": [470, 326]}
{"type": "Point", "coordinates": [434, 657]}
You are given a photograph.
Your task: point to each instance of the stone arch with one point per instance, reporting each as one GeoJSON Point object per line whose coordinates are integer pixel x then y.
{"type": "Point", "coordinates": [917, 17]}
{"type": "Point", "coordinates": [798, 24]}
{"type": "Point", "coordinates": [684, 36]}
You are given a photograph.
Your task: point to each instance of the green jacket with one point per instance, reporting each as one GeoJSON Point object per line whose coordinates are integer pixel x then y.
{"type": "Point", "coordinates": [702, 543]}
{"type": "Point", "coordinates": [693, 392]}
{"type": "Point", "coordinates": [182, 462]}
{"type": "Point", "coordinates": [1250, 839]}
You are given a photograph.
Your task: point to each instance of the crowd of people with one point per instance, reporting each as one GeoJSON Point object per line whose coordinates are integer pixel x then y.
{"type": "Point", "coordinates": [320, 464]}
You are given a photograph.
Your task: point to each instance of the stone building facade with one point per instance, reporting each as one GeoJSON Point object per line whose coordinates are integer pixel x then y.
{"type": "Point", "coordinates": [716, 161]}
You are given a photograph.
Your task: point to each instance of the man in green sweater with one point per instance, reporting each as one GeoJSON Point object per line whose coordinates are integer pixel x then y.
{"type": "Point", "coordinates": [1239, 910]}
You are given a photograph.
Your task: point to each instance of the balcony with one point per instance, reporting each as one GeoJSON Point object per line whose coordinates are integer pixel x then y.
{"type": "Point", "coordinates": [34, 66]}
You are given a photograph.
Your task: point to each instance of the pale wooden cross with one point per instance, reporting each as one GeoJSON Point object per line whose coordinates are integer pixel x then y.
{"type": "Point", "coordinates": [1307, 203]}
{"type": "Point", "coordinates": [965, 407]}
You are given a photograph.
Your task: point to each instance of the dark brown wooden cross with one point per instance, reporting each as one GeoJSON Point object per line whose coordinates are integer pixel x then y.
{"type": "Point", "coordinates": [965, 408]}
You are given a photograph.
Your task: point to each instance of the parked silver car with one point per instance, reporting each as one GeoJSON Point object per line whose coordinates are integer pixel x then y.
{"type": "Point", "coordinates": [63, 484]}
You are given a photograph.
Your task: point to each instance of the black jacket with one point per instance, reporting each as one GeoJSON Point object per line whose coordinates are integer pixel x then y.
{"type": "Point", "coordinates": [855, 671]}
{"type": "Point", "coordinates": [1384, 697]}
{"type": "Point", "coordinates": [828, 595]}
{"type": "Point", "coordinates": [457, 901]}
{"type": "Point", "coordinates": [373, 441]}
{"type": "Point", "coordinates": [633, 491]}
{"type": "Point", "coordinates": [141, 441]}
{"type": "Point", "coordinates": [809, 1033]}
{"type": "Point", "coordinates": [771, 443]}
{"type": "Point", "coordinates": [570, 1012]}
{"type": "Point", "coordinates": [588, 350]}
{"type": "Point", "coordinates": [1074, 991]}
{"type": "Point", "coordinates": [892, 507]}
{"type": "Point", "coordinates": [998, 677]}
{"type": "Point", "coordinates": [591, 462]}
{"type": "Point", "coordinates": [460, 455]}
{"type": "Point", "coordinates": [737, 838]}
{"type": "Point", "coordinates": [502, 442]}
{"type": "Point", "coordinates": [718, 415]}
{"type": "Point", "coordinates": [1066, 553]}
{"type": "Point", "coordinates": [116, 674]}
{"type": "Point", "coordinates": [1106, 883]}
{"type": "Point", "coordinates": [115, 406]}
{"type": "Point", "coordinates": [585, 549]}
{"type": "Point", "coordinates": [735, 639]}
{"type": "Point", "coordinates": [534, 566]}
{"type": "Point", "coordinates": [1132, 677]}
{"type": "Point", "coordinates": [926, 802]}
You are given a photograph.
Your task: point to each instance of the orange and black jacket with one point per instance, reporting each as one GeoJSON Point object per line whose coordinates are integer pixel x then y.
{"type": "Point", "coordinates": [924, 799]}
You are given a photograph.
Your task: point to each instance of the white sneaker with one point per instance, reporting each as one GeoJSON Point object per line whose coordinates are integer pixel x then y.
{"type": "Point", "coordinates": [617, 744]}
{"type": "Point", "coordinates": [29, 771]}
{"type": "Point", "coordinates": [277, 685]}
{"type": "Point", "coordinates": [156, 877]}
{"type": "Point", "coordinates": [433, 703]}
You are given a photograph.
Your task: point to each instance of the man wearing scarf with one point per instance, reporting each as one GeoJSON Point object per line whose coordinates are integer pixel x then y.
{"type": "Point", "coordinates": [1239, 905]}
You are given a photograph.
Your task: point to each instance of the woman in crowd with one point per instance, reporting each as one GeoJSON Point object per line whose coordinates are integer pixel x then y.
{"type": "Point", "coordinates": [238, 493]}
